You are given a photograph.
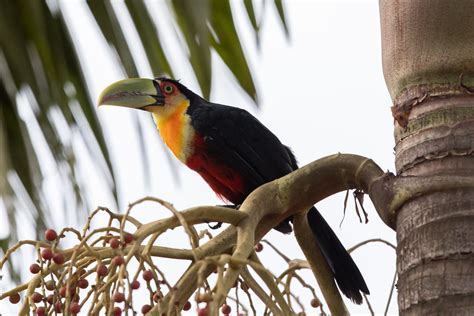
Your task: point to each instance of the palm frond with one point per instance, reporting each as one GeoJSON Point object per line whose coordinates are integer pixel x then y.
{"type": "Point", "coordinates": [45, 101]}
{"type": "Point", "coordinates": [226, 42]}
{"type": "Point", "coordinates": [191, 17]}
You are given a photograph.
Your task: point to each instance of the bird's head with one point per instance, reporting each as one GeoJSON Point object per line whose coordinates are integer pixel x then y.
{"type": "Point", "coordinates": [160, 96]}
{"type": "Point", "coordinates": [168, 101]}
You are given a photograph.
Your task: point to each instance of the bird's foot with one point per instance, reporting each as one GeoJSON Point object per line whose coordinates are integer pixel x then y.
{"type": "Point", "coordinates": [216, 226]}
{"type": "Point", "coordinates": [219, 224]}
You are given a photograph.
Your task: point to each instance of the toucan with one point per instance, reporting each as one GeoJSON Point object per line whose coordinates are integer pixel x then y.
{"type": "Point", "coordinates": [233, 152]}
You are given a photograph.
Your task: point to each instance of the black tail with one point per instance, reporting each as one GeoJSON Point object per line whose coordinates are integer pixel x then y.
{"type": "Point", "coordinates": [347, 275]}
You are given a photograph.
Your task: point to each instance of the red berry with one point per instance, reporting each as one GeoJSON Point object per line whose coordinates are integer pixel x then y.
{"type": "Point", "coordinates": [203, 311]}
{"type": "Point", "coordinates": [117, 311]}
{"type": "Point", "coordinates": [50, 285]}
{"type": "Point", "coordinates": [62, 291]}
{"type": "Point", "coordinates": [145, 309]}
{"type": "Point", "coordinates": [58, 258]}
{"type": "Point", "coordinates": [128, 238]}
{"type": "Point", "coordinates": [225, 309]}
{"type": "Point", "coordinates": [75, 308]}
{"type": "Point", "coordinates": [14, 298]}
{"type": "Point", "coordinates": [147, 275]}
{"type": "Point", "coordinates": [258, 247]}
{"type": "Point", "coordinates": [315, 303]}
{"type": "Point", "coordinates": [40, 311]}
{"type": "Point", "coordinates": [187, 306]}
{"type": "Point", "coordinates": [102, 270]}
{"type": "Point", "coordinates": [46, 254]}
{"type": "Point", "coordinates": [50, 235]}
{"type": "Point", "coordinates": [36, 297]}
{"type": "Point", "coordinates": [83, 283]}
{"type": "Point", "coordinates": [114, 243]}
{"type": "Point", "coordinates": [50, 298]}
{"type": "Point", "coordinates": [118, 297]}
{"type": "Point", "coordinates": [135, 285]}
{"type": "Point", "coordinates": [58, 307]}
{"type": "Point", "coordinates": [35, 268]}
{"type": "Point", "coordinates": [118, 260]}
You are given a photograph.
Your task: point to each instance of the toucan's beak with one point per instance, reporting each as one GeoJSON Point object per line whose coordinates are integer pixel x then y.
{"type": "Point", "coordinates": [136, 93]}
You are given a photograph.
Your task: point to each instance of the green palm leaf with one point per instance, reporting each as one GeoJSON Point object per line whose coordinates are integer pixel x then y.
{"type": "Point", "coordinates": [107, 20]}
{"type": "Point", "coordinates": [226, 42]}
{"type": "Point", "coordinates": [191, 17]}
{"type": "Point", "coordinates": [42, 84]}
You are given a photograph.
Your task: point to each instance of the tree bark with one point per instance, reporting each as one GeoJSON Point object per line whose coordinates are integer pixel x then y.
{"type": "Point", "coordinates": [428, 62]}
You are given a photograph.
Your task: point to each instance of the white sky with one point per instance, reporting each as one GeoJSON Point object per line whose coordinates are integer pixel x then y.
{"type": "Point", "coordinates": [321, 93]}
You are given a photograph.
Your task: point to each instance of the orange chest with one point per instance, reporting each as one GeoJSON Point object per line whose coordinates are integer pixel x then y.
{"type": "Point", "coordinates": [176, 131]}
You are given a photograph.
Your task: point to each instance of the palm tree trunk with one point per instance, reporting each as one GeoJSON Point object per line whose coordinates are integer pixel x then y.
{"type": "Point", "coordinates": [428, 61]}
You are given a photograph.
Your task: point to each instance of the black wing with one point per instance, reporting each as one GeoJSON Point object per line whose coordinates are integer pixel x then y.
{"type": "Point", "coordinates": [237, 139]}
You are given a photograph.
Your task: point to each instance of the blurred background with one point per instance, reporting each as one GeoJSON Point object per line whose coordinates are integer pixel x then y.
{"type": "Point", "coordinates": [311, 71]}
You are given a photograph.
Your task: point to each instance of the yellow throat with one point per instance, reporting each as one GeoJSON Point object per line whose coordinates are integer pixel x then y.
{"type": "Point", "coordinates": [175, 128]}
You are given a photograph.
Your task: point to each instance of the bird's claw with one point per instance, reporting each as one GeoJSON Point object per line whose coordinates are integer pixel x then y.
{"type": "Point", "coordinates": [216, 226]}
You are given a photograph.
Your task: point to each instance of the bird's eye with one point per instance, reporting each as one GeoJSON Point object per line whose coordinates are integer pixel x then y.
{"type": "Point", "coordinates": [168, 89]}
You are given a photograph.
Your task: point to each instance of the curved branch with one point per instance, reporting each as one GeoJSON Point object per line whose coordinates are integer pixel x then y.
{"type": "Point", "coordinates": [383, 241]}
{"type": "Point", "coordinates": [301, 189]}
{"type": "Point", "coordinates": [318, 264]}
{"type": "Point", "coordinates": [258, 290]}
{"type": "Point", "coordinates": [192, 216]}
{"type": "Point", "coordinates": [273, 202]}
